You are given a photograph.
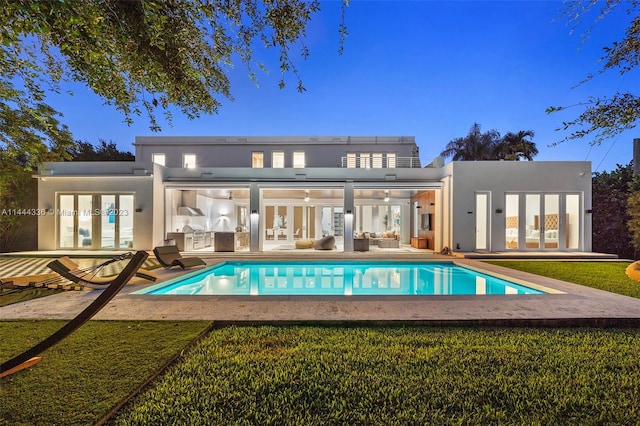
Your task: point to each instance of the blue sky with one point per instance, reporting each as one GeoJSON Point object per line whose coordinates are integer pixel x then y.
{"type": "Point", "coordinates": [427, 69]}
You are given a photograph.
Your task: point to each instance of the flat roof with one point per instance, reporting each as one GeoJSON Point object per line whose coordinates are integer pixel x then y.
{"type": "Point", "coordinates": [282, 140]}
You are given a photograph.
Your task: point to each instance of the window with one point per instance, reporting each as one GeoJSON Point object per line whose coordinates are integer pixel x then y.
{"type": "Point", "coordinates": [257, 160]}
{"type": "Point", "coordinates": [391, 160]}
{"type": "Point", "coordinates": [572, 225]}
{"type": "Point", "coordinates": [365, 160]}
{"type": "Point", "coordinates": [158, 159]}
{"type": "Point", "coordinates": [277, 160]}
{"type": "Point", "coordinates": [298, 160]}
{"type": "Point", "coordinates": [189, 161]}
{"type": "Point", "coordinates": [80, 225]}
{"type": "Point", "coordinates": [377, 160]}
{"type": "Point", "coordinates": [512, 221]}
{"type": "Point", "coordinates": [351, 160]}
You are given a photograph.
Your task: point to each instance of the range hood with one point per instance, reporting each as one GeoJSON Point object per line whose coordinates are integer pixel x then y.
{"type": "Point", "coordinates": [187, 206]}
{"type": "Point", "coordinates": [189, 211]}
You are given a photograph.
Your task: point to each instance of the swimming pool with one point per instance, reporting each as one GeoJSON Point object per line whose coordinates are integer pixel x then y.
{"type": "Point", "coordinates": [338, 278]}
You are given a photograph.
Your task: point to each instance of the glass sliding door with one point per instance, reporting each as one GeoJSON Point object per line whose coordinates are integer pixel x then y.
{"type": "Point", "coordinates": [327, 221]}
{"type": "Point", "coordinates": [482, 221]}
{"type": "Point", "coordinates": [269, 221]}
{"type": "Point", "coordinates": [298, 223]}
{"type": "Point", "coordinates": [66, 221]}
{"type": "Point", "coordinates": [532, 211]}
{"type": "Point", "coordinates": [550, 227]}
{"type": "Point", "coordinates": [85, 222]}
{"type": "Point", "coordinates": [309, 229]}
{"type": "Point", "coordinates": [552, 222]}
{"type": "Point", "coordinates": [282, 223]}
{"type": "Point", "coordinates": [95, 221]}
{"type": "Point", "coordinates": [276, 223]}
{"type": "Point", "coordinates": [572, 225]}
{"type": "Point", "coordinates": [512, 222]}
{"type": "Point", "coordinates": [108, 221]}
{"type": "Point", "coordinates": [332, 221]}
{"type": "Point", "coordinates": [125, 224]}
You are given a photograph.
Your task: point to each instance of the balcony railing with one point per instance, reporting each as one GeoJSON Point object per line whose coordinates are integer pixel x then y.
{"type": "Point", "coordinates": [380, 163]}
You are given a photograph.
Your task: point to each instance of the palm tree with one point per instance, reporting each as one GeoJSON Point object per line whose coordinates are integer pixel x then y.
{"type": "Point", "coordinates": [516, 146]}
{"type": "Point", "coordinates": [475, 146]}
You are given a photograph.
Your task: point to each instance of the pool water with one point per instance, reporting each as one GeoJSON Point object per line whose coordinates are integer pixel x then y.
{"type": "Point", "coordinates": [338, 278]}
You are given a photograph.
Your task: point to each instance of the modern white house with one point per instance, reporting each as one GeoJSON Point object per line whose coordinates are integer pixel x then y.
{"type": "Point", "coordinates": [272, 193]}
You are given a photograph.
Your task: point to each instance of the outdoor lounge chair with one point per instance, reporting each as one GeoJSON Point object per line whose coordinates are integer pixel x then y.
{"type": "Point", "coordinates": [70, 270]}
{"type": "Point", "coordinates": [169, 256]}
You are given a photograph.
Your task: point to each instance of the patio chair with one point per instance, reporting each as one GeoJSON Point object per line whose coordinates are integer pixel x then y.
{"type": "Point", "coordinates": [169, 256]}
{"type": "Point", "coordinates": [70, 270]}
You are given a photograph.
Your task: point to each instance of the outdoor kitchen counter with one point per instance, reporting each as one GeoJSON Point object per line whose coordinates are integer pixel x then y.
{"type": "Point", "coordinates": [185, 240]}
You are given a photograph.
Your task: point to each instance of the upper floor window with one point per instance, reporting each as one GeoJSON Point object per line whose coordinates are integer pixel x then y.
{"type": "Point", "coordinates": [277, 160]}
{"type": "Point", "coordinates": [351, 160]}
{"type": "Point", "coordinates": [189, 161]}
{"type": "Point", "coordinates": [377, 160]}
{"type": "Point", "coordinates": [158, 159]}
{"type": "Point", "coordinates": [391, 160]}
{"type": "Point", "coordinates": [257, 160]}
{"type": "Point", "coordinates": [365, 160]}
{"type": "Point", "coordinates": [298, 160]}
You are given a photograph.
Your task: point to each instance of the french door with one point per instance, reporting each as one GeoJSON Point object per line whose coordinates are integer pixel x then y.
{"type": "Point", "coordinates": [95, 221]}
{"type": "Point", "coordinates": [543, 221]}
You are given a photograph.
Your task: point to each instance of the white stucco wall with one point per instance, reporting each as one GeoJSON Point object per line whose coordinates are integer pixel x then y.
{"type": "Point", "coordinates": [500, 177]}
{"type": "Point", "coordinates": [94, 178]}
{"type": "Point", "coordinates": [455, 185]}
{"type": "Point", "coordinates": [221, 151]}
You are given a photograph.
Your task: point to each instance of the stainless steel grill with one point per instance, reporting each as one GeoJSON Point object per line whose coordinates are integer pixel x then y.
{"type": "Point", "coordinates": [198, 235]}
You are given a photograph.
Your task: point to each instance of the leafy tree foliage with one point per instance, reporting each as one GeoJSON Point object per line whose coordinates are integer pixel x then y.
{"type": "Point", "coordinates": [478, 146]}
{"type": "Point", "coordinates": [29, 136]}
{"type": "Point", "coordinates": [85, 151]}
{"type": "Point", "coordinates": [633, 210]}
{"type": "Point", "coordinates": [610, 219]}
{"type": "Point", "coordinates": [145, 55]}
{"type": "Point", "coordinates": [516, 146]}
{"type": "Point", "coordinates": [475, 146]}
{"type": "Point", "coordinates": [141, 56]}
{"type": "Point", "coordinates": [605, 117]}
{"type": "Point", "coordinates": [19, 191]}
{"type": "Point", "coordinates": [18, 194]}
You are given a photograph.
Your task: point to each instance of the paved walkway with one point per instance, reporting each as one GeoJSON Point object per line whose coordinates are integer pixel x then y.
{"type": "Point", "coordinates": [565, 304]}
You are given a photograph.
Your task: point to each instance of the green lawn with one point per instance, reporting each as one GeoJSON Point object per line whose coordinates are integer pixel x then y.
{"type": "Point", "coordinates": [351, 376]}
{"type": "Point", "coordinates": [9, 296]}
{"type": "Point", "coordinates": [333, 375]}
{"type": "Point", "coordinates": [324, 375]}
{"type": "Point", "coordinates": [82, 378]}
{"type": "Point", "coordinates": [609, 276]}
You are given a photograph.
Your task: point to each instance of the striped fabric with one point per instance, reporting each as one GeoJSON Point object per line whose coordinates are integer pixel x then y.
{"type": "Point", "coordinates": [22, 266]}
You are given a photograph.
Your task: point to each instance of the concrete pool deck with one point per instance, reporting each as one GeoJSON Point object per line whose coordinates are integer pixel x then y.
{"type": "Point", "coordinates": [567, 305]}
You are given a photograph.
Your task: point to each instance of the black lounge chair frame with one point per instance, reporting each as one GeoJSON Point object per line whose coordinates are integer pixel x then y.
{"type": "Point", "coordinates": [169, 256]}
